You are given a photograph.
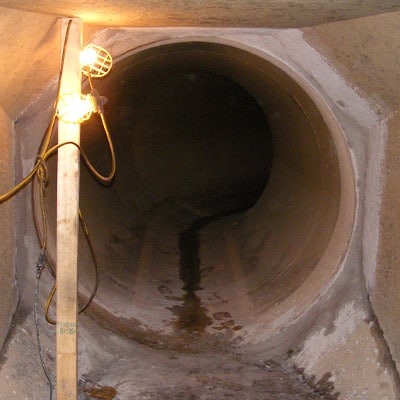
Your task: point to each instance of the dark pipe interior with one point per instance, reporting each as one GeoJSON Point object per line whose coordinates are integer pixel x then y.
{"type": "Point", "coordinates": [200, 149]}
{"type": "Point", "coordinates": [193, 136]}
{"type": "Point", "coordinates": [226, 196]}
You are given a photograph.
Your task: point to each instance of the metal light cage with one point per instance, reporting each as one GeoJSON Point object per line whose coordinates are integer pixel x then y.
{"type": "Point", "coordinates": [100, 65]}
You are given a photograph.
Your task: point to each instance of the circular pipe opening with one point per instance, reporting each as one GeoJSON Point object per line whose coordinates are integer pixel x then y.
{"type": "Point", "coordinates": [233, 202]}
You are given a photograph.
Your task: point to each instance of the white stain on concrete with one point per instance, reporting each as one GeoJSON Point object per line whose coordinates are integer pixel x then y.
{"type": "Point", "coordinates": [373, 200]}
{"type": "Point", "coordinates": [320, 342]}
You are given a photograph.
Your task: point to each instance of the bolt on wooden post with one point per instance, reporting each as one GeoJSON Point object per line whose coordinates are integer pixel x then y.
{"type": "Point", "coordinates": [68, 221]}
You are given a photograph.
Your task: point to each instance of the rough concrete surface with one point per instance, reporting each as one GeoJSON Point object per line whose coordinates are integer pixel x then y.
{"type": "Point", "coordinates": [32, 48]}
{"type": "Point", "coordinates": [352, 353]}
{"type": "Point", "coordinates": [365, 52]}
{"type": "Point", "coordinates": [119, 238]}
{"type": "Point", "coordinates": [7, 241]}
{"type": "Point", "coordinates": [338, 345]}
{"type": "Point", "coordinates": [139, 372]}
{"type": "Point", "coordinates": [237, 13]}
{"type": "Point", "coordinates": [385, 296]}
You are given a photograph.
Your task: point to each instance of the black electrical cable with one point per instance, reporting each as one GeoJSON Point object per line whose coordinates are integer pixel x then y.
{"type": "Point", "coordinates": [39, 269]}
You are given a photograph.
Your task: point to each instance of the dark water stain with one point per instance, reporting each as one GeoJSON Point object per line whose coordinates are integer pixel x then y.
{"type": "Point", "coordinates": [90, 390]}
{"type": "Point", "coordinates": [192, 315]}
{"type": "Point", "coordinates": [226, 322]}
{"type": "Point", "coordinates": [189, 261]}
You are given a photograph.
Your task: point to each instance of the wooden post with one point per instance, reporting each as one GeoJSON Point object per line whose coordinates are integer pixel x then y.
{"type": "Point", "coordinates": [68, 222]}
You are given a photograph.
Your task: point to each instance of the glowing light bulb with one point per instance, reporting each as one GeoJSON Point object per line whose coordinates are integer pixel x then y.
{"type": "Point", "coordinates": [75, 108]}
{"type": "Point", "coordinates": [88, 57]}
{"type": "Point", "coordinates": [96, 62]}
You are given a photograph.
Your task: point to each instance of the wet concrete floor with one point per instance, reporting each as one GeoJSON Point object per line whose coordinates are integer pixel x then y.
{"type": "Point", "coordinates": [111, 367]}
{"type": "Point", "coordinates": [114, 367]}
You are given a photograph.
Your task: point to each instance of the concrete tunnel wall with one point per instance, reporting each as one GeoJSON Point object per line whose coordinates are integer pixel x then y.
{"type": "Point", "coordinates": [357, 136]}
{"type": "Point", "coordinates": [7, 242]}
{"type": "Point", "coordinates": [279, 255]}
{"type": "Point", "coordinates": [327, 279]}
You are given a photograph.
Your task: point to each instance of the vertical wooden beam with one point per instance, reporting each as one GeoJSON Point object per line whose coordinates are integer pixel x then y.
{"type": "Point", "coordinates": [68, 222]}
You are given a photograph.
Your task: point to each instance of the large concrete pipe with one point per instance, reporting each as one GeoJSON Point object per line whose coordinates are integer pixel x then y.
{"type": "Point", "coordinates": [233, 203]}
{"type": "Point", "coordinates": [230, 218]}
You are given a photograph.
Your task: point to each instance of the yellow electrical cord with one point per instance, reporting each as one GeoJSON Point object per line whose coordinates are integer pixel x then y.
{"type": "Point", "coordinates": [47, 137]}
{"type": "Point", "coordinates": [48, 303]}
{"type": "Point", "coordinates": [89, 165]}
{"type": "Point", "coordinates": [45, 152]}
{"type": "Point", "coordinates": [39, 172]}
{"type": "Point", "coordinates": [42, 156]}
{"type": "Point", "coordinates": [96, 267]}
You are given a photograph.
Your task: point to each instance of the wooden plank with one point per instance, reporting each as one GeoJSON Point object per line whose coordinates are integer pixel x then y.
{"type": "Point", "coordinates": [68, 223]}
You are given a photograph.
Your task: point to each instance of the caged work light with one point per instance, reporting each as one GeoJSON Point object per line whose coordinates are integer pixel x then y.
{"type": "Point", "coordinates": [75, 108]}
{"type": "Point", "coordinates": [96, 62]}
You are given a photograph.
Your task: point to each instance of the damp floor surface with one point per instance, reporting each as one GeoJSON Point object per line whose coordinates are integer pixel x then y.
{"type": "Point", "coordinates": [112, 367]}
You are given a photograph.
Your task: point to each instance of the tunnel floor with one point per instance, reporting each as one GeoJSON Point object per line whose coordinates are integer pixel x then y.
{"type": "Point", "coordinates": [205, 366]}
{"type": "Point", "coordinates": [113, 367]}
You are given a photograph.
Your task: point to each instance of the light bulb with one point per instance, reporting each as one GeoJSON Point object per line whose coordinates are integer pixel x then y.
{"type": "Point", "coordinates": [88, 57]}
{"type": "Point", "coordinates": [75, 108]}
{"type": "Point", "coordinates": [96, 62]}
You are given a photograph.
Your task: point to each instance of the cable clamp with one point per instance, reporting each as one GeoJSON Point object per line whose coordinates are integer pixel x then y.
{"type": "Point", "coordinates": [98, 101]}
{"type": "Point", "coordinates": [40, 262]}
